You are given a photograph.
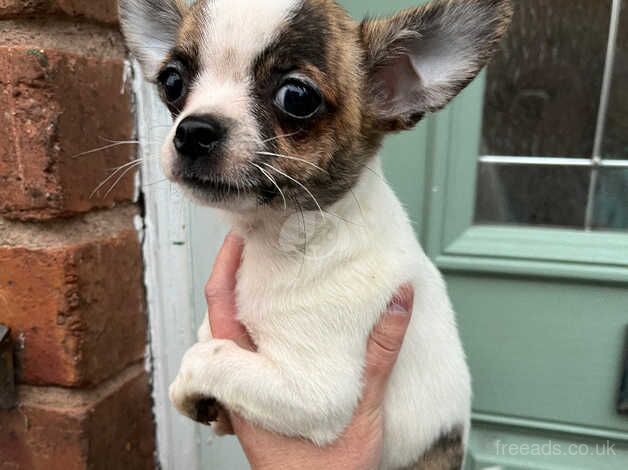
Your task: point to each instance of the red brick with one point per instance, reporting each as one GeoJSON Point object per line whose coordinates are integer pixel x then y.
{"type": "Point", "coordinates": [72, 294]}
{"type": "Point", "coordinates": [55, 104]}
{"type": "Point", "coordinates": [105, 11]}
{"type": "Point", "coordinates": [110, 427]}
{"type": "Point", "coordinates": [10, 8]}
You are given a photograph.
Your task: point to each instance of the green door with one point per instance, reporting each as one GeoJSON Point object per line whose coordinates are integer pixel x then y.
{"type": "Point", "coordinates": [519, 193]}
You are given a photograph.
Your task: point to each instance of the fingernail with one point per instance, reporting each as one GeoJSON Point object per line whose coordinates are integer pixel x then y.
{"type": "Point", "coordinates": [398, 306]}
{"type": "Point", "coordinates": [234, 237]}
{"type": "Point", "coordinates": [401, 303]}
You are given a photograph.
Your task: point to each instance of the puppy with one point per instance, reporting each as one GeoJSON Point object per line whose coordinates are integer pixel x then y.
{"type": "Point", "coordinates": [279, 110]}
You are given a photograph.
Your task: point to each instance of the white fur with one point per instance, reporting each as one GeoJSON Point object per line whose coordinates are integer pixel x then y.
{"type": "Point", "coordinates": [236, 31]}
{"type": "Point", "coordinates": [311, 316]}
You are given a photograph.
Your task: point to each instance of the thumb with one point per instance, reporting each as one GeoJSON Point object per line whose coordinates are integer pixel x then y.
{"type": "Point", "coordinates": [221, 295]}
{"type": "Point", "coordinates": [384, 346]}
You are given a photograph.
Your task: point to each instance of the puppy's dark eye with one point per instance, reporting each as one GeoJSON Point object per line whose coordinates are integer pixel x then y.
{"type": "Point", "coordinates": [173, 84]}
{"type": "Point", "coordinates": [298, 99]}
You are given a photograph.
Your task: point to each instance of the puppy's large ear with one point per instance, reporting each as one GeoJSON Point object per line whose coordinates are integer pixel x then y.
{"type": "Point", "coordinates": [150, 28]}
{"type": "Point", "coordinates": [421, 58]}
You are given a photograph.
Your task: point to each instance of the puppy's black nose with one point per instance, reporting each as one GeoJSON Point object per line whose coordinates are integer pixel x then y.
{"type": "Point", "coordinates": [197, 136]}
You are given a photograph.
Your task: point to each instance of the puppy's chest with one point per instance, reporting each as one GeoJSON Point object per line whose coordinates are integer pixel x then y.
{"type": "Point", "coordinates": [267, 304]}
{"type": "Point", "coordinates": [330, 298]}
{"type": "Point", "coordinates": [260, 304]}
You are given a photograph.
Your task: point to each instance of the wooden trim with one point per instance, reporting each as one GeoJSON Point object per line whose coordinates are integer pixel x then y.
{"type": "Point", "coordinates": [553, 245]}
{"type": "Point", "coordinates": [563, 428]}
{"type": "Point", "coordinates": [532, 269]}
{"type": "Point", "coordinates": [451, 238]}
{"type": "Point", "coordinates": [168, 279]}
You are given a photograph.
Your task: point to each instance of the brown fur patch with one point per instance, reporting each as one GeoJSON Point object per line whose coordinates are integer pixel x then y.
{"type": "Point", "coordinates": [447, 453]}
{"type": "Point", "coordinates": [320, 42]}
{"type": "Point", "coordinates": [190, 30]}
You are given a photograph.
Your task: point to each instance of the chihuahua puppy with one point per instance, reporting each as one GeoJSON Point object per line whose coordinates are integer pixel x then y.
{"type": "Point", "coordinates": [279, 110]}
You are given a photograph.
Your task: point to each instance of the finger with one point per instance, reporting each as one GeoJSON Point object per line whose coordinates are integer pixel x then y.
{"type": "Point", "coordinates": [259, 444]}
{"type": "Point", "coordinates": [384, 346]}
{"type": "Point", "coordinates": [251, 438]}
{"type": "Point", "coordinates": [240, 425]}
{"type": "Point", "coordinates": [221, 295]}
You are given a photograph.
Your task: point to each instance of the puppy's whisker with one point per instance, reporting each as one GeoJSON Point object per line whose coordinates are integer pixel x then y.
{"type": "Point", "coordinates": [121, 167]}
{"type": "Point", "coordinates": [345, 220]}
{"type": "Point", "coordinates": [357, 201]}
{"type": "Point", "coordinates": [139, 160]}
{"type": "Point", "coordinates": [117, 181]}
{"type": "Point", "coordinates": [288, 157]}
{"type": "Point", "coordinates": [113, 175]}
{"type": "Point", "coordinates": [305, 243]}
{"type": "Point", "coordinates": [374, 172]}
{"type": "Point", "coordinates": [114, 141]}
{"type": "Point", "coordinates": [265, 141]}
{"type": "Point", "coordinates": [274, 182]}
{"type": "Point", "coordinates": [300, 184]}
{"type": "Point", "coordinates": [106, 147]}
{"type": "Point", "coordinates": [280, 137]}
{"type": "Point", "coordinates": [104, 182]}
{"type": "Point", "coordinates": [148, 185]}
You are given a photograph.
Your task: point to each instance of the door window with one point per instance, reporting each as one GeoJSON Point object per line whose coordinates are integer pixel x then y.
{"type": "Point", "coordinates": [554, 141]}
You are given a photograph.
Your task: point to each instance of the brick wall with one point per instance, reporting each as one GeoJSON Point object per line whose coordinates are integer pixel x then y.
{"type": "Point", "coordinates": [70, 264]}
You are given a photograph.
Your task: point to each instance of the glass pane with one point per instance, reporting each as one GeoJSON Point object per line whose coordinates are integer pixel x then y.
{"type": "Point", "coordinates": [532, 195]}
{"type": "Point", "coordinates": [616, 132]}
{"type": "Point", "coordinates": [611, 202]}
{"type": "Point", "coordinates": [543, 90]}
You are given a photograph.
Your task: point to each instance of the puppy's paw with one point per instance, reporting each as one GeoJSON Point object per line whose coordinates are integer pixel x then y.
{"type": "Point", "coordinates": [222, 426]}
{"type": "Point", "coordinates": [207, 411]}
{"type": "Point", "coordinates": [191, 391]}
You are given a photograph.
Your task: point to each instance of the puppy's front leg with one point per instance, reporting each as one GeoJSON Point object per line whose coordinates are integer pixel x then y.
{"type": "Point", "coordinates": [211, 411]}
{"type": "Point", "coordinates": [278, 397]}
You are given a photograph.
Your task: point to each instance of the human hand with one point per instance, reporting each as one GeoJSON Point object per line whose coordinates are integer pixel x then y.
{"type": "Point", "coordinates": [361, 444]}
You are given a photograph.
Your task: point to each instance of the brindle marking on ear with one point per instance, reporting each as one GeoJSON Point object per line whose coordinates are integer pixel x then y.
{"type": "Point", "coordinates": [447, 453]}
{"type": "Point", "coordinates": [386, 39]}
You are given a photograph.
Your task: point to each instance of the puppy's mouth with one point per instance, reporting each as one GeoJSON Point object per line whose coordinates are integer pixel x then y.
{"type": "Point", "coordinates": [213, 185]}
{"type": "Point", "coordinates": [218, 189]}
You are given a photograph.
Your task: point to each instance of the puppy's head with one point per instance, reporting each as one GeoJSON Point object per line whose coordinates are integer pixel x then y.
{"type": "Point", "coordinates": [283, 102]}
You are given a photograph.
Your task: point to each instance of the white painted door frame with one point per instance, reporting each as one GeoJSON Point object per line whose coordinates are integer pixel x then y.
{"type": "Point", "coordinates": [180, 243]}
